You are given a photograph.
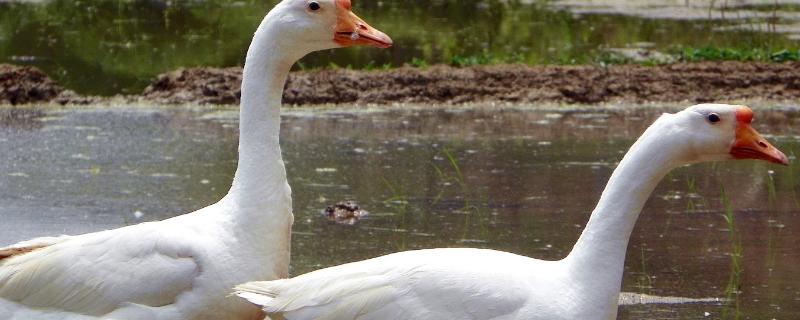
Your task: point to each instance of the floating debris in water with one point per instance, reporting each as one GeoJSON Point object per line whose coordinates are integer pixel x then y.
{"type": "Point", "coordinates": [326, 170]}
{"type": "Point", "coordinates": [164, 175]}
{"type": "Point", "coordinates": [345, 212]}
{"type": "Point", "coordinates": [629, 298]}
{"type": "Point", "coordinates": [138, 214]}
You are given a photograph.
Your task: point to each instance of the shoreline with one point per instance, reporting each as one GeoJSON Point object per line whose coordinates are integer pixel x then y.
{"type": "Point", "coordinates": [696, 82]}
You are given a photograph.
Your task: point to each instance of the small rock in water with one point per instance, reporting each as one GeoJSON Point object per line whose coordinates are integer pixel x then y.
{"type": "Point", "coordinates": [345, 212]}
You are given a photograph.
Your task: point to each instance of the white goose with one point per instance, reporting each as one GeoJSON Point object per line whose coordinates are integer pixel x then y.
{"type": "Point", "coordinates": [185, 267]}
{"type": "Point", "coordinates": [487, 284]}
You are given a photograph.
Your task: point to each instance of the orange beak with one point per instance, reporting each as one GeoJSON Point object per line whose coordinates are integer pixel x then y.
{"type": "Point", "coordinates": [352, 31]}
{"type": "Point", "coordinates": [750, 145]}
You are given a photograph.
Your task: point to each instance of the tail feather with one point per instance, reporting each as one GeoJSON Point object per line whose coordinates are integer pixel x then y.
{"type": "Point", "coordinates": [29, 246]}
{"type": "Point", "coordinates": [258, 293]}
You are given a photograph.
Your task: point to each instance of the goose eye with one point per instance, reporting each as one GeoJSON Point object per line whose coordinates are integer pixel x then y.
{"type": "Point", "coordinates": [714, 118]}
{"type": "Point", "coordinates": [314, 6]}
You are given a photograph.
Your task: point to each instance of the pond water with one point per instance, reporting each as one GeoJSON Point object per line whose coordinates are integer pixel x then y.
{"type": "Point", "coordinates": [107, 47]}
{"type": "Point", "coordinates": [522, 180]}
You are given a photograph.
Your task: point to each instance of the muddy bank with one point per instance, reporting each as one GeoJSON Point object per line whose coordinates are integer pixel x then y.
{"type": "Point", "coordinates": [692, 82]}
{"type": "Point", "coordinates": [21, 85]}
{"type": "Point", "coordinates": [27, 85]}
{"type": "Point", "coordinates": [695, 82]}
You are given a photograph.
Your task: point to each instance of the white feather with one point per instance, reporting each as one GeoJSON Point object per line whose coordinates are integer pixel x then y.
{"type": "Point", "coordinates": [183, 268]}
{"type": "Point", "coordinates": [485, 284]}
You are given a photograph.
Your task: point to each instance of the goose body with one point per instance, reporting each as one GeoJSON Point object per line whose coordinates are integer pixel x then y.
{"type": "Point", "coordinates": [173, 269]}
{"type": "Point", "coordinates": [184, 267]}
{"type": "Point", "coordinates": [488, 284]}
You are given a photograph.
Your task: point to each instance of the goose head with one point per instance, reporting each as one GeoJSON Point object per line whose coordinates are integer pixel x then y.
{"type": "Point", "coordinates": [713, 132]}
{"type": "Point", "coordinates": [313, 25]}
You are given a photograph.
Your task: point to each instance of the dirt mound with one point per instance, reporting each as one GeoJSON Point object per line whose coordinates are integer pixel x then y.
{"type": "Point", "coordinates": [695, 82]}
{"type": "Point", "coordinates": [198, 85]}
{"type": "Point", "coordinates": [20, 85]}
{"type": "Point", "coordinates": [23, 85]}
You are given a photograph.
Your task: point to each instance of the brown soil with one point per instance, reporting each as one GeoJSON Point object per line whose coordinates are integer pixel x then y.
{"type": "Point", "coordinates": [24, 85]}
{"type": "Point", "coordinates": [20, 85]}
{"type": "Point", "coordinates": [693, 82]}
{"type": "Point", "coordinates": [199, 85]}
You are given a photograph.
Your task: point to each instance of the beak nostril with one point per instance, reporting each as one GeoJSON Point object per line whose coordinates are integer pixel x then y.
{"type": "Point", "coordinates": [363, 27]}
{"type": "Point", "coordinates": [763, 144]}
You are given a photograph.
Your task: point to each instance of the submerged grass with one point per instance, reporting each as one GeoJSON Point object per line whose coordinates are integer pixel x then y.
{"type": "Point", "coordinates": [733, 288]}
{"type": "Point", "coordinates": [475, 202]}
{"type": "Point", "coordinates": [398, 199]}
{"type": "Point", "coordinates": [644, 282]}
{"type": "Point", "coordinates": [792, 181]}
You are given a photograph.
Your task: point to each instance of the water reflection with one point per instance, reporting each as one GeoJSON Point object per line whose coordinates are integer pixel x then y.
{"type": "Point", "coordinates": [107, 47]}
{"type": "Point", "coordinates": [519, 180]}
{"type": "Point", "coordinates": [21, 119]}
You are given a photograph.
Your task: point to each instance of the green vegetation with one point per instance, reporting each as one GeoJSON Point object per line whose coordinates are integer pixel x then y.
{"type": "Point", "coordinates": [734, 54]}
{"type": "Point", "coordinates": [106, 46]}
{"type": "Point", "coordinates": [606, 58]}
{"type": "Point", "coordinates": [644, 281]}
{"type": "Point", "coordinates": [733, 289]}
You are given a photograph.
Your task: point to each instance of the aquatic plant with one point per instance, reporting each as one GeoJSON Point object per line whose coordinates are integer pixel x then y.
{"type": "Point", "coordinates": [644, 282]}
{"type": "Point", "coordinates": [733, 288]}
{"type": "Point", "coordinates": [474, 202]}
{"type": "Point", "coordinates": [791, 180]}
{"type": "Point", "coordinates": [772, 194]}
{"type": "Point", "coordinates": [398, 199]}
{"type": "Point", "coordinates": [691, 189]}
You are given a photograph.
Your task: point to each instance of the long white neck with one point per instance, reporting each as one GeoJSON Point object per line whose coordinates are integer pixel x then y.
{"type": "Point", "coordinates": [598, 258]}
{"type": "Point", "coordinates": [260, 187]}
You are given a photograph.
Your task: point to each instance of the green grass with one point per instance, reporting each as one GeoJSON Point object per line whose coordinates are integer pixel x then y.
{"type": "Point", "coordinates": [731, 54]}
{"type": "Point", "coordinates": [733, 288]}
{"type": "Point", "coordinates": [481, 59]}
{"type": "Point", "coordinates": [418, 63]}
{"type": "Point", "coordinates": [609, 58]}
{"type": "Point", "coordinates": [644, 281]}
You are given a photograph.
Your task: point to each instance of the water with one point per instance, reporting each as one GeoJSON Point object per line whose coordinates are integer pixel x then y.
{"type": "Point", "coordinates": [107, 47]}
{"type": "Point", "coordinates": [520, 180]}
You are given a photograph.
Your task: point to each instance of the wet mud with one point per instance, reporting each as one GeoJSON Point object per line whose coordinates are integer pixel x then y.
{"type": "Point", "coordinates": [28, 85]}
{"type": "Point", "coordinates": [21, 85]}
{"type": "Point", "coordinates": [692, 82]}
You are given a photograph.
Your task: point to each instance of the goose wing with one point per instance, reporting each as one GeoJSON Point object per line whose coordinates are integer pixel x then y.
{"type": "Point", "coordinates": [427, 284]}
{"type": "Point", "coordinates": [97, 273]}
{"type": "Point", "coordinates": [29, 246]}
